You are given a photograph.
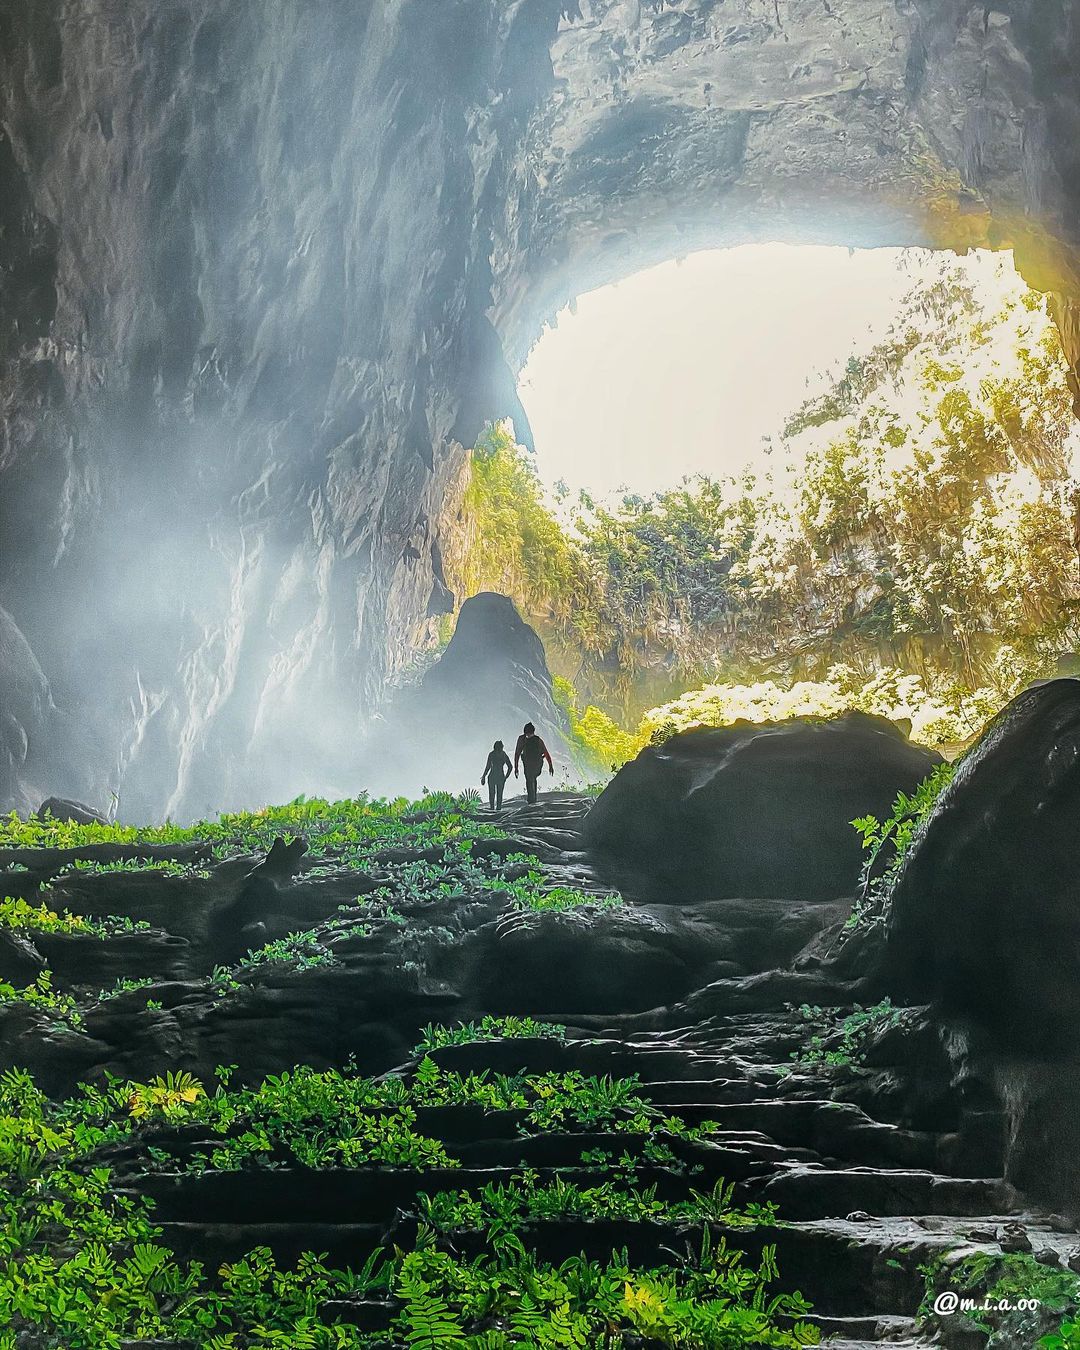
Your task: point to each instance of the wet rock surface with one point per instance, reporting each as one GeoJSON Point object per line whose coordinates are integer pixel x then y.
{"type": "Point", "coordinates": [894, 1156]}
{"type": "Point", "coordinates": [754, 810]}
{"type": "Point", "coordinates": [25, 716]}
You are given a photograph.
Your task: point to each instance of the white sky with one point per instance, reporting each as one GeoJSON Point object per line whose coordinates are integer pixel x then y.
{"type": "Point", "coordinates": [683, 368]}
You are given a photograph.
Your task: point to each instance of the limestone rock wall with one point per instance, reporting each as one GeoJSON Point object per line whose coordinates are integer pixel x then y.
{"type": "Point", "coordinates": [265, 267]}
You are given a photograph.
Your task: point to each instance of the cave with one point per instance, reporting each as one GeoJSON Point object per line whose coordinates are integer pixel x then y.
{"type": "Point", "coordinates": [265, 276]}
{"type": "Point", "coordinates": [769, 1039]}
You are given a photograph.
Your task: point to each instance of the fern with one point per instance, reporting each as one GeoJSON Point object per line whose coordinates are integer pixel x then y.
{"type": "Point", "coordinates": [428, 1322]}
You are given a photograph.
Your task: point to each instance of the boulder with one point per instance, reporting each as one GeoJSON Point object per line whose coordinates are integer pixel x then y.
{"type": "Point", "coordinates": [754, 810]}
{"type": "Point", "coordinates": [20, 961]}
{"type": "Point", "coordinates": [985, 915]}
{"type": "Point", "coordinates": [60, 808]}
{"type": "Point", "coordinates": [984, 922]}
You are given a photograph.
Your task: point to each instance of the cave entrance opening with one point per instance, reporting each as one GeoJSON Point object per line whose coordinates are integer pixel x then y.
{"type": "Point", "coordinates": [698, 365]}
{"type": "Point", "coordinates": [779, 480]}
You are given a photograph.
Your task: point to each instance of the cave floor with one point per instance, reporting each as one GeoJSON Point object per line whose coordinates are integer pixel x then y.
{"type": "Point", "coordinates": [720, 1017]}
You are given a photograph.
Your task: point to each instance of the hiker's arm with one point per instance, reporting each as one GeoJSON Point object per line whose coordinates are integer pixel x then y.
{"type": "Point", "coordinates": [547, 756]}
{"type": "Point", "coordinates": [517, 756]}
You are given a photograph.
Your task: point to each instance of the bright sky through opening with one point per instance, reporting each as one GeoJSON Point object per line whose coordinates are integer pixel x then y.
{"type": "Point", "coordinates": [685, 367]}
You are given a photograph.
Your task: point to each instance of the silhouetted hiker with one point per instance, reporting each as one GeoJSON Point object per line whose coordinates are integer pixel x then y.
{"type": "Point", "coordinates": [496, 771]}
{"type": "Point", "coordinates": [531, 751]}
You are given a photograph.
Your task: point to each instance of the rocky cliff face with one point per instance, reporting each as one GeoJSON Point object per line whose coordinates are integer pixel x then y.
{"type": "Point", "coordinates": [491, 680]}
{"type": "Point", "coordinates": [265, 268]}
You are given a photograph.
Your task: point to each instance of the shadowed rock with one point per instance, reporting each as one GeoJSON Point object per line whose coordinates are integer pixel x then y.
{"type": "Point", "coordinates": [755, 810]}
{"type": "Point", "coordinates": [491, 680]}
{"type": "Point", "coordinates": [60, 808]}
{"type": "Point", "coordinates": [985, 916]}
{"type": "Point", "coordinates": [984, 921]}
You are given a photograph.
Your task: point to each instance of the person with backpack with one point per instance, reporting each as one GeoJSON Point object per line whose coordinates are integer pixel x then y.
{"type": "Point", "coordinates": [496, 772]}
{"type": "Point", "coordinates": [531, 753]}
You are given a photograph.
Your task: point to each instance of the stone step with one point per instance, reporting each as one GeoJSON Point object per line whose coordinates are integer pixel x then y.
{"type": "Point", "coordinates": [808, 1191]}
{"type": "Point", "coordinates": [879, 1330]}
{"type": "Point", "coordinates": [345, 1245]}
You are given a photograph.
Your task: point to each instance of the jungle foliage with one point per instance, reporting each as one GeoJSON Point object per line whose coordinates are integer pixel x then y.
{"type": "Point", "coordinates": [83, 1265]}
{"type": "Point", "coordinates": [914, 552]}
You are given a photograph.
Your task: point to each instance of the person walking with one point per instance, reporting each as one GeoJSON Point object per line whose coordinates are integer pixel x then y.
{"type": "Point", "coordinates": [531, 753]}
{"type": "Point", "coordinates": [496, 772]}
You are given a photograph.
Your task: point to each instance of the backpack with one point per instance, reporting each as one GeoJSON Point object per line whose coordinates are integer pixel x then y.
{"type": "Point", "coordinates": [532, 753]}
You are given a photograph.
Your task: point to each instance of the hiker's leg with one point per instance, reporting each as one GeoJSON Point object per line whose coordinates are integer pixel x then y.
{"type": "Point", "coordinates": [492, 792]}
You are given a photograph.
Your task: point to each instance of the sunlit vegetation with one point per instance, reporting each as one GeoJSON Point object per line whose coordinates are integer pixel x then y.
{"type": "Point", "coordinates": [487, 1029]}
{"type": "Point", "coordinates": [886, 843]}
{"type": "Point", "coordinates": [332, 829]}
{"type": "Point", "coordinates": [423, 849]}
{"type": "Point", "coordinates": [83, 1264]}
{"type": "Point", "coordinates": [913, 553]}
{"type": "Point", "coordinates": [40, 996]}
{"type": "Point", "coordinates": [22, 916]}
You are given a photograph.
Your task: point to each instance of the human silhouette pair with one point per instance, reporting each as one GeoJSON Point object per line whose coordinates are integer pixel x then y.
{"type": "Point", "coordinates": [530, 754]}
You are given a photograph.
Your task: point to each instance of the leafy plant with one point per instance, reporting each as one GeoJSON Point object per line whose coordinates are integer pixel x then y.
{"type": "Point", "coordinates": [489, 1028]}
{"type": "Point", "coordinates": [166, 1095]}
{"type": "Point", "coordinates": [41, 996]}
{"type": "Point", "coordinates": [840, 1042]}
{"type": "Point", "coordinates": [1067, 1336]}
{"type": "Point", "coordinates": [886, 843]}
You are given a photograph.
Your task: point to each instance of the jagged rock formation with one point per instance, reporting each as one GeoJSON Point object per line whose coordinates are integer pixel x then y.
{"type": "Point", "coordinates": [265, 268]}
{"type": "Point", "coordinates": [755, 810]}
{"type": "Point", "coordinates": [491, 679]}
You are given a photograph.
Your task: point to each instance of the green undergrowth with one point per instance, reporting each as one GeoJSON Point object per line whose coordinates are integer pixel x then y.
{"type": "Point", "coordinates": [329, 827]}
{"type": "Point", "coordinates": [329, 1118]}
{"type": "Point", "coordinates": [83, 1265]}
{"type": "Point", "coordinates": [841, 1040]}
{"type": "Point", "coordinates": [487, 1029]}
{"type": "Point", "coordinates": [40, 996]}
{"type": "Point", "coordinates": [1011, 1296]}
{"type": "Point", "coordinates": [886, 844]}
{"type": "Point", "coordinates": [429, 852]}
{"type": "Point", "coordinates": [500, 1210]}
{"type": "Point", "coordinates": [22, 916]}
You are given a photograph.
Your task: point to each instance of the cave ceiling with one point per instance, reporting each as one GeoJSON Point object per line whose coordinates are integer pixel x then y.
{"type": "Point", "coordinates": [266, 267]}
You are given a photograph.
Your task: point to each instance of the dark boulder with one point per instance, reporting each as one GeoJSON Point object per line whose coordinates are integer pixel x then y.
{"type": "Point", "coordinates": [985, 915]}
{"type": "Point", "coordinates": [20, 961]}
{"type": "Point", "coordinates": [984, 922]}
{"type": "Point", "coordinates": [60, 808]}
{"type": "Point", "coordinates": [754, 810]}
